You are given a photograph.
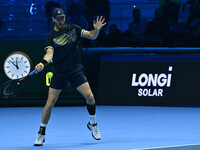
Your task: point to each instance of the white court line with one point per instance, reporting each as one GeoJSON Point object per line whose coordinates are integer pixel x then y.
{"type": "Point", "coordinates": [165, 147]}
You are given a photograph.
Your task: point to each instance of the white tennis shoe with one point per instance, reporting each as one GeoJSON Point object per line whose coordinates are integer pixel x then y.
{"type": "Point", "coordinates": [94, 130]}
{"type": "Point", "coordinates": [40, 140]}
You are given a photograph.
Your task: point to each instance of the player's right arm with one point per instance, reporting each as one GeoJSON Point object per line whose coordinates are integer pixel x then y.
{"type": "Point", "coordinates": [46, 59]}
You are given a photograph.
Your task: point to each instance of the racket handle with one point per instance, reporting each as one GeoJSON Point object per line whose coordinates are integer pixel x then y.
{"type": "Point", "coordinates": [33, 72]}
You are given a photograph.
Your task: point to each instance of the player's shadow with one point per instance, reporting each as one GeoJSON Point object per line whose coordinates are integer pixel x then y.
{"type": "Point", "coordinates": [61, 146]}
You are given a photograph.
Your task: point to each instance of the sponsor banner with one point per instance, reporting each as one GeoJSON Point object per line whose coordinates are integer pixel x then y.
{"type": "Point", "coordinates": [149, 80]}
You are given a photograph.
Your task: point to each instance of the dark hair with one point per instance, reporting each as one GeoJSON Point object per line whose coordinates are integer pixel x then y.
{"type": "Point", "coordinates": [135, 10]}
{"type": "Point", "coordinates": [113, 25]}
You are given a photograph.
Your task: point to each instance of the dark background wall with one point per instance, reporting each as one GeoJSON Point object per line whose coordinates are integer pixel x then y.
{"type": "Point", "coordinates": [35, 91]}
{"type": "Point", "coordinates": [96, 70]}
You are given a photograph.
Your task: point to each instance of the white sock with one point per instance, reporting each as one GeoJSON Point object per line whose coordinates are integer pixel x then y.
{"type": "Point", "coordinates": [92, 119]}
{"type": "Point", "coordinates": [43, 125]}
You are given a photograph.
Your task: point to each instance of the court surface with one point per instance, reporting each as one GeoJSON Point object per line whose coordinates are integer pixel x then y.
{"type": "Point", "coordinates": [121, 127]}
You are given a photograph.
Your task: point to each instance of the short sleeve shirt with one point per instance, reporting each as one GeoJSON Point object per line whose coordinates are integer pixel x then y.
{"type": "Point", "coordinates": [64, 43]}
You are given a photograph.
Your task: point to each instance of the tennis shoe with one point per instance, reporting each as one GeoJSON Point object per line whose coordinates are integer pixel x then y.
{"type": "Point", "coordinates": [40, 140]}
{"type": "Point", "coordinates": [94, 130]}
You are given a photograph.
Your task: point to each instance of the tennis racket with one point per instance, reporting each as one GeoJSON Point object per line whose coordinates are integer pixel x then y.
{"type": "Point", "coordinates": [12, 88]}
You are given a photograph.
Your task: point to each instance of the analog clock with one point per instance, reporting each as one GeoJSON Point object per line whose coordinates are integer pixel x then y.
{"type": "Point", "coordinates": [17, 65]}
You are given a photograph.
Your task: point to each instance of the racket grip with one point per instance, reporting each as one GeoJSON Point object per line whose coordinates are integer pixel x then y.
{"type": "Point", "coordinates": [33, 72]}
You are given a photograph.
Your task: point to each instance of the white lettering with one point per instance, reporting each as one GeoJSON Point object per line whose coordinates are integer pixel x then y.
{"type": "Point", "coordinates": [160, 92]}
{"type": "Point", "coordinates": [134, 83]}
{"type": "Point", "coordinates": [169, 80]}
{"type": "Point", "coordinates": [145, 92]}
{"type": "Point", "coordinates": [149, 92]}
{"type": "Point", "coordinates": [152, 80]}
{"type": "Point", "coordinates": [140, 92]}
{"type": "Point", "coordinates": [162, 80]}
{"type": "Point", "coordinates": [155, 92]}
{"type": "Point", "coordinates": [141, 81]}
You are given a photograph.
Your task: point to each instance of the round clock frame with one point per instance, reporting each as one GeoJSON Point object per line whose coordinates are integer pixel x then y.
{"type": "Point", "coordinates": [17, 65]}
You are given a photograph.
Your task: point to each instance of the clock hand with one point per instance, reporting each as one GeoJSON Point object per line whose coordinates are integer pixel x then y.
{"type": "Point", "coordinates": [14, 64]}
{"type": "Point", "coordinates": [17, 64]}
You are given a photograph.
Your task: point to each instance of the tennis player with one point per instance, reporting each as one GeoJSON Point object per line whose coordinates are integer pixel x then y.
{"type": "Point", "coordinates": [61, 49]}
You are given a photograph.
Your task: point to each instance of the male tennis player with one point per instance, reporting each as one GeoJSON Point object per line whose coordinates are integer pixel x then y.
{"type": "Point", "coordinates": [61, 48]}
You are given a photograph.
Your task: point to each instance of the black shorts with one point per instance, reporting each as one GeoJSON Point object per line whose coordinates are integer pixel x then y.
{"type": "Point", "coordinates": [75, 77]}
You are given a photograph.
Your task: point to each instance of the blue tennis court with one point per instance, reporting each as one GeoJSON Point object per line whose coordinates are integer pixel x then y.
{"type": "Point", "coordinates": [121, 127]}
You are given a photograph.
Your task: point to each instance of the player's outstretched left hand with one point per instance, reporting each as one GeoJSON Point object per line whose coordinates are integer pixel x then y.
{"type": "Point", "coordinates": [99, 23]}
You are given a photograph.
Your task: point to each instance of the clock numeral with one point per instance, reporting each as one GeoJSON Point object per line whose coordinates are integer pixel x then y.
{"type": "Point", "coordinates": [12, 75]}
{"type": "Point", "coordinates": [25, 71]}
{"type": "Point", "coordinates": [27, 66]}
{"type": "Point", "coordinates": [7, 67]}
{"type": "Point", "coordinates": [22, 75]}
{"type": "Point", "coordinates": [12, 58]}
{"type": "Point", "coordinates": [17, 76]}
{"type": "Point", "coordinates": [25, 62]}
{"type": "Point", "coordinates": [8, 72]}
{"type": "Point", "coordinates": [8, 61]}
{"type": "Point", "coordinates": [22, 58]}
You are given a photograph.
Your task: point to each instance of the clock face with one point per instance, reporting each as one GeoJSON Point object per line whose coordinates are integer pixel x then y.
{"type": "Point", "coordinates": [17, 65]}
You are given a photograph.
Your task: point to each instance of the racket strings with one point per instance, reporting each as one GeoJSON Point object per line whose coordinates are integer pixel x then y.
{"type": "Point", "coordinates": [11, 88]}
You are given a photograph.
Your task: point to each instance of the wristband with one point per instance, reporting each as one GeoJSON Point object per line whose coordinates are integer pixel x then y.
{"type": "Point", "coordinates": [44, 62]}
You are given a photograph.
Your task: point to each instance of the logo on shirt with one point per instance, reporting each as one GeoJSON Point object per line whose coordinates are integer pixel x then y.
{"type": "Point", "coordinates": [65, 38]}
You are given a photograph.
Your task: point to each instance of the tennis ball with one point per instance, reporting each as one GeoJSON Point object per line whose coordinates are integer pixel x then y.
{"type": "Point", "coordinates": [49, 74]}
